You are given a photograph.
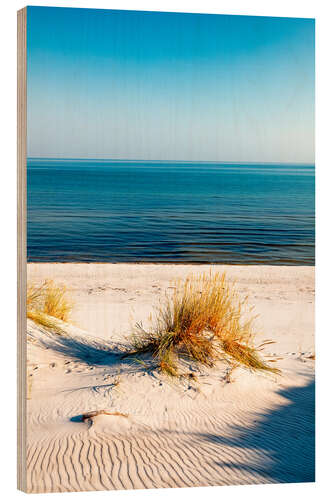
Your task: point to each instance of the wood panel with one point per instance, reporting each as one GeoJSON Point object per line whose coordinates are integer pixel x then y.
{"type": "Point", "coordinates": [21, 243]}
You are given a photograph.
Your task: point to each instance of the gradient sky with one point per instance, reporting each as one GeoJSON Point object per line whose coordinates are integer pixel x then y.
{"type": "Point", "coordinates": [163, 86]}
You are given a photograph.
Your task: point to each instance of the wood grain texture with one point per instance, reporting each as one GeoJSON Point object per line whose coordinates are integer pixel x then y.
{"type": "Point", "coordinates": [21, 244]}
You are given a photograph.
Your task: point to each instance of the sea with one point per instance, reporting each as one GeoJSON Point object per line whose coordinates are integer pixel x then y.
{"type": "Point", "coordinates": [160, 212]}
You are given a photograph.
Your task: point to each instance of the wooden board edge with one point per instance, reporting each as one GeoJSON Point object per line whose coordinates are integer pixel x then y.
{"type": "Point", "coordinates": [21, 246]}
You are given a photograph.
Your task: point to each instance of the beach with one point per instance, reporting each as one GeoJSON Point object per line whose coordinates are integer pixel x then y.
{"type": "Point", "coordinates": [150, 431]}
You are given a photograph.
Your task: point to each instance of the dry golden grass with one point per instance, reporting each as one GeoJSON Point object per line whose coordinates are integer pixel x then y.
{"type": "Point", "coordinates": [51, 299]}
{"type": "Point", "coordinates": [47, 303]}
{"type": "Point", "coordinates": [203, 321]}
{"type": "Point", "coordinates": [49, 322]}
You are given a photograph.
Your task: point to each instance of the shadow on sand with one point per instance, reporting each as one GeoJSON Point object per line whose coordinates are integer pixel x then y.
{"type": "Point", "coordinates": [283, 438]}
{"type": "Point", "coordinates": [90, 350]}
{"type": "Point", "coordinates": [282, 441]}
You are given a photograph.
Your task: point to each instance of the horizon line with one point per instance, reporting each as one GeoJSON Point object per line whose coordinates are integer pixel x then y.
{"type": "Point", "coordinates": [126, 160]}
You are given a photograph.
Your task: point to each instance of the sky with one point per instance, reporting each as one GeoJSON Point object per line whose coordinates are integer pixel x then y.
{"type": "Point", "coordinates": [163, 86]}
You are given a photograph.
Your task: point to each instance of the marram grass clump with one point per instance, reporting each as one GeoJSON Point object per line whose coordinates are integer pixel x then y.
{"type": "Point", "coordinates": [47, 303]}
{"type": "Point", "coordinates": [202, 320]}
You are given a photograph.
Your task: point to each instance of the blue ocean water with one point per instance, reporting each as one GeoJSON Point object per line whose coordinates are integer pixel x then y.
{"type": "Point", "coordinates": [125, 211]}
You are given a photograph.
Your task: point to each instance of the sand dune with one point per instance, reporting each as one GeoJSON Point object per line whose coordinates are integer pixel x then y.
{"type": "Point", "coordinates": [155, 433]}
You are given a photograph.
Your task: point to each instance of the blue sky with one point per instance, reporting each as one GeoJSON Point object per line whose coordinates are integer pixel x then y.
{"type": "Point", "coordinates": [163, 86]}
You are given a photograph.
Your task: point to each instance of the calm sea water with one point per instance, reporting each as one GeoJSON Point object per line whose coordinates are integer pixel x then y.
{"type": "Point", "coordinates": [108, 211]}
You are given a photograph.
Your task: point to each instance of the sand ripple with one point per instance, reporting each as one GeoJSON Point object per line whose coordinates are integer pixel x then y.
{"type": "Point", "coordinates": [253, 442]}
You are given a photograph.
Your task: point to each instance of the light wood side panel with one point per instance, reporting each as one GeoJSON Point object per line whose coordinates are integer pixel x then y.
{"type": "Point", "coordinates": [21, 243]}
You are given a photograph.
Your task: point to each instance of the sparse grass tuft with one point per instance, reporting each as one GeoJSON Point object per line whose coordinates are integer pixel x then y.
{"type": "Point", "coordinates": [47, 303]}
{"type": "Point", "coordinates": [201, 320]}
{"type": "Point", "coordinates": [49, 322]}
{"type": "Point", "coordinates": [49, 298]}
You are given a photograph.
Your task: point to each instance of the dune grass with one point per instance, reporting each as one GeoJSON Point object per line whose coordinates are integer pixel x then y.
{"type": "Point", "coordinates": [202, 320]}
{"type": "Point", "coordinates": [47, 303]}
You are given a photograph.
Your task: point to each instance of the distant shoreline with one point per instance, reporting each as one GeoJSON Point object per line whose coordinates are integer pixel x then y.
{"type": "Point", "coordinates": [202, 162]}
{"type": "Point", "coordinates": [168, 263]}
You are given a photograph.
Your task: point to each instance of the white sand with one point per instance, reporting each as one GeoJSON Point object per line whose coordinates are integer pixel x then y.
{"type": "Point", "coordinates": [257, 429]}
